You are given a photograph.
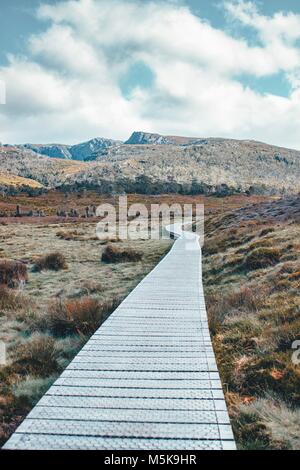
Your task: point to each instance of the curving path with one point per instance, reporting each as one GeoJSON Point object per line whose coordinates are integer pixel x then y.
{"type": "Point", "coordinates": [147, 379]}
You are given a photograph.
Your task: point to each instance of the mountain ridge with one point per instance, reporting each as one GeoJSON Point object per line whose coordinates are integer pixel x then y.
{"type": "Point", "coordinates": [80, 151]}
{"type": "Point", "coordinates": [187, 166]}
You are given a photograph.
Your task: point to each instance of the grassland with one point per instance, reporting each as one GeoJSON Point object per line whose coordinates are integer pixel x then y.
{"type": "Point", "coordinates": [251, 274]}
{"type": "Point", "coordinates": [45, 324]}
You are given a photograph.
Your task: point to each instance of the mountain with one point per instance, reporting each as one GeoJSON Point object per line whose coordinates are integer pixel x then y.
{"type": "Point", "coordinates": [50, 150]}
{"type": "Point", "coordinates": [147, 138]}
{"type": "Point", "coordinates": [86, 150]}
{"type": "Point", "coordinates": [138, 138]}
{"type": "Point", "coordinates": [185, 165]}
{"type": "Point", "coordinates": [81, 151]}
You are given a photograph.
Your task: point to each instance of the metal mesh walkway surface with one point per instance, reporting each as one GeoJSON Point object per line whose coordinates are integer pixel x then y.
{"type": "Point", "coordinates": [147, 379]}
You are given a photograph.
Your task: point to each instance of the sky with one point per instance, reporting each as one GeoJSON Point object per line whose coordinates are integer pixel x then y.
{"type": "Point", "coordinates": [78, 69]}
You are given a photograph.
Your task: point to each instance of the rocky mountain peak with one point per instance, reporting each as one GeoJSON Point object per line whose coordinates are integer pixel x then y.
{"type": "Point", "coordinates": [142, 138]}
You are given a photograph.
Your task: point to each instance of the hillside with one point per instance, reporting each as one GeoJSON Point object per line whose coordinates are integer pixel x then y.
{"type": "Point", "coordinates": [17, 182]}
{"type": "Point", "coordinates": [188, 166]}
{"type": "Point", "coordinates": [251, 274]}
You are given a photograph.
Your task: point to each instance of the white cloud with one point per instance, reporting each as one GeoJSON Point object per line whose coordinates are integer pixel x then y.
{"type": "Point", "coordinates": [66, 87]}
{"type": "Point", "coordinates": [280, 27]}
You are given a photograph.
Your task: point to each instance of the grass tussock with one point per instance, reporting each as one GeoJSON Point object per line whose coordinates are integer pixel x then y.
{"type": "Point", "coordinates": [13, 274]}
{"type": "Point", "coordinates": [80, 317]}
{"type": "Point", "coordinates": [261, 258]}
{"type": "Point", "coordinates": [51, 262]}
{"type": "Point", "coordinates": [69, 235]}
{"type": "Point", "coordinates": [11, 300]}
{"type": "Point", "coordinates": [92, 287]}
{"type": "Point", "coordinates": [115, 254]}
{"type": "Point", "coordinates": [38, 356]}
{"type": "Point", "coordinates": [220, 306]}
{"type": "Point", "coordinates": [267, 423]}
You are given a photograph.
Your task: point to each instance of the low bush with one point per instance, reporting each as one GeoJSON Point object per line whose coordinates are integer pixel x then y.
{"type": "Point", "coordinates": [77, 317]}
{"type": "Point", "coordinates": [114, 254]}
{"type": "Point", "coordinates": [52, 262]}
{"type": "Point", "coordinates": [13, 274]}
{"type": "Point", "coordinates": [37, 356]}
{"type": "Point", "coordinates": [11, 300]}
{"type": "Point", "coordinates": [261, 258]}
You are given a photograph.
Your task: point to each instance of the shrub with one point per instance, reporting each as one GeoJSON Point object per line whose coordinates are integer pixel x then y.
{"type": "Point", "coordinates": [114, 254]}
{"type": "Point", "coordinates": [10, 300]}
{"type": "Point", "coordinates": [37, 356]}
{"type": "Point", "coordinates": [262, 258]}
{"type": "Point", "coordinates": [80, 317]}
{"type": "Point", "coordinates": [13, 273]}
{"type": "Point", "coordinates": [52, 262]}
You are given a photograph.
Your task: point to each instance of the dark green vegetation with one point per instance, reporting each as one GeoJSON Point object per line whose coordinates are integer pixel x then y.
{"type": "Point", "coordinates": [252, 285]}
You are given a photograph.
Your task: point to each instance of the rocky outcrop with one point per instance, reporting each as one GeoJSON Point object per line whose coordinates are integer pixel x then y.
{"type": "Point", "coordinates": [142, 138]}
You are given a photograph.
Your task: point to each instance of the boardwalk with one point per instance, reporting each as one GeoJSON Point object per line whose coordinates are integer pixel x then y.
{"type": "Point", "coordinates": [147, 379]}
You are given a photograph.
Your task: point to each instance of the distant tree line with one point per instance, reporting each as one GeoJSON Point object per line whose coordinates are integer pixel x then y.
{"type": "Point", "coordinates": [145, 185]}
{"type": "Point", "coordinates": [11, 190]}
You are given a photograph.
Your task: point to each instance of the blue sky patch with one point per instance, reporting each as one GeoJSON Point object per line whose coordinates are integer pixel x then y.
{"type": "Point", "coordinates": [139, 75]}
{"type": "Point", "coordinates": [276, 84]}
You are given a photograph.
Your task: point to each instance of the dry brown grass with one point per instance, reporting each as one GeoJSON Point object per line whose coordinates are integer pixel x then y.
{"type": "Point", "coordinates": [38, 356]}
{"type": "Point", "coordinates": [253, 251]}
{"type": "Point", "coordinates": [80, 317]}
{"type": "Point", "coordinates": [51, 262]}
{"type": "Point", "coordinates": [11, 300]}
{"type": "Point", "coordinates": [13, 274]}
{"type": "Point", "coordinates": [261, 258]}
{"type": "Point", "coordinates": [223, 305]}
{"type": "Point", "coordinates": [69, 234]}
{"type": "Point", "coordinates": [115, 254]}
